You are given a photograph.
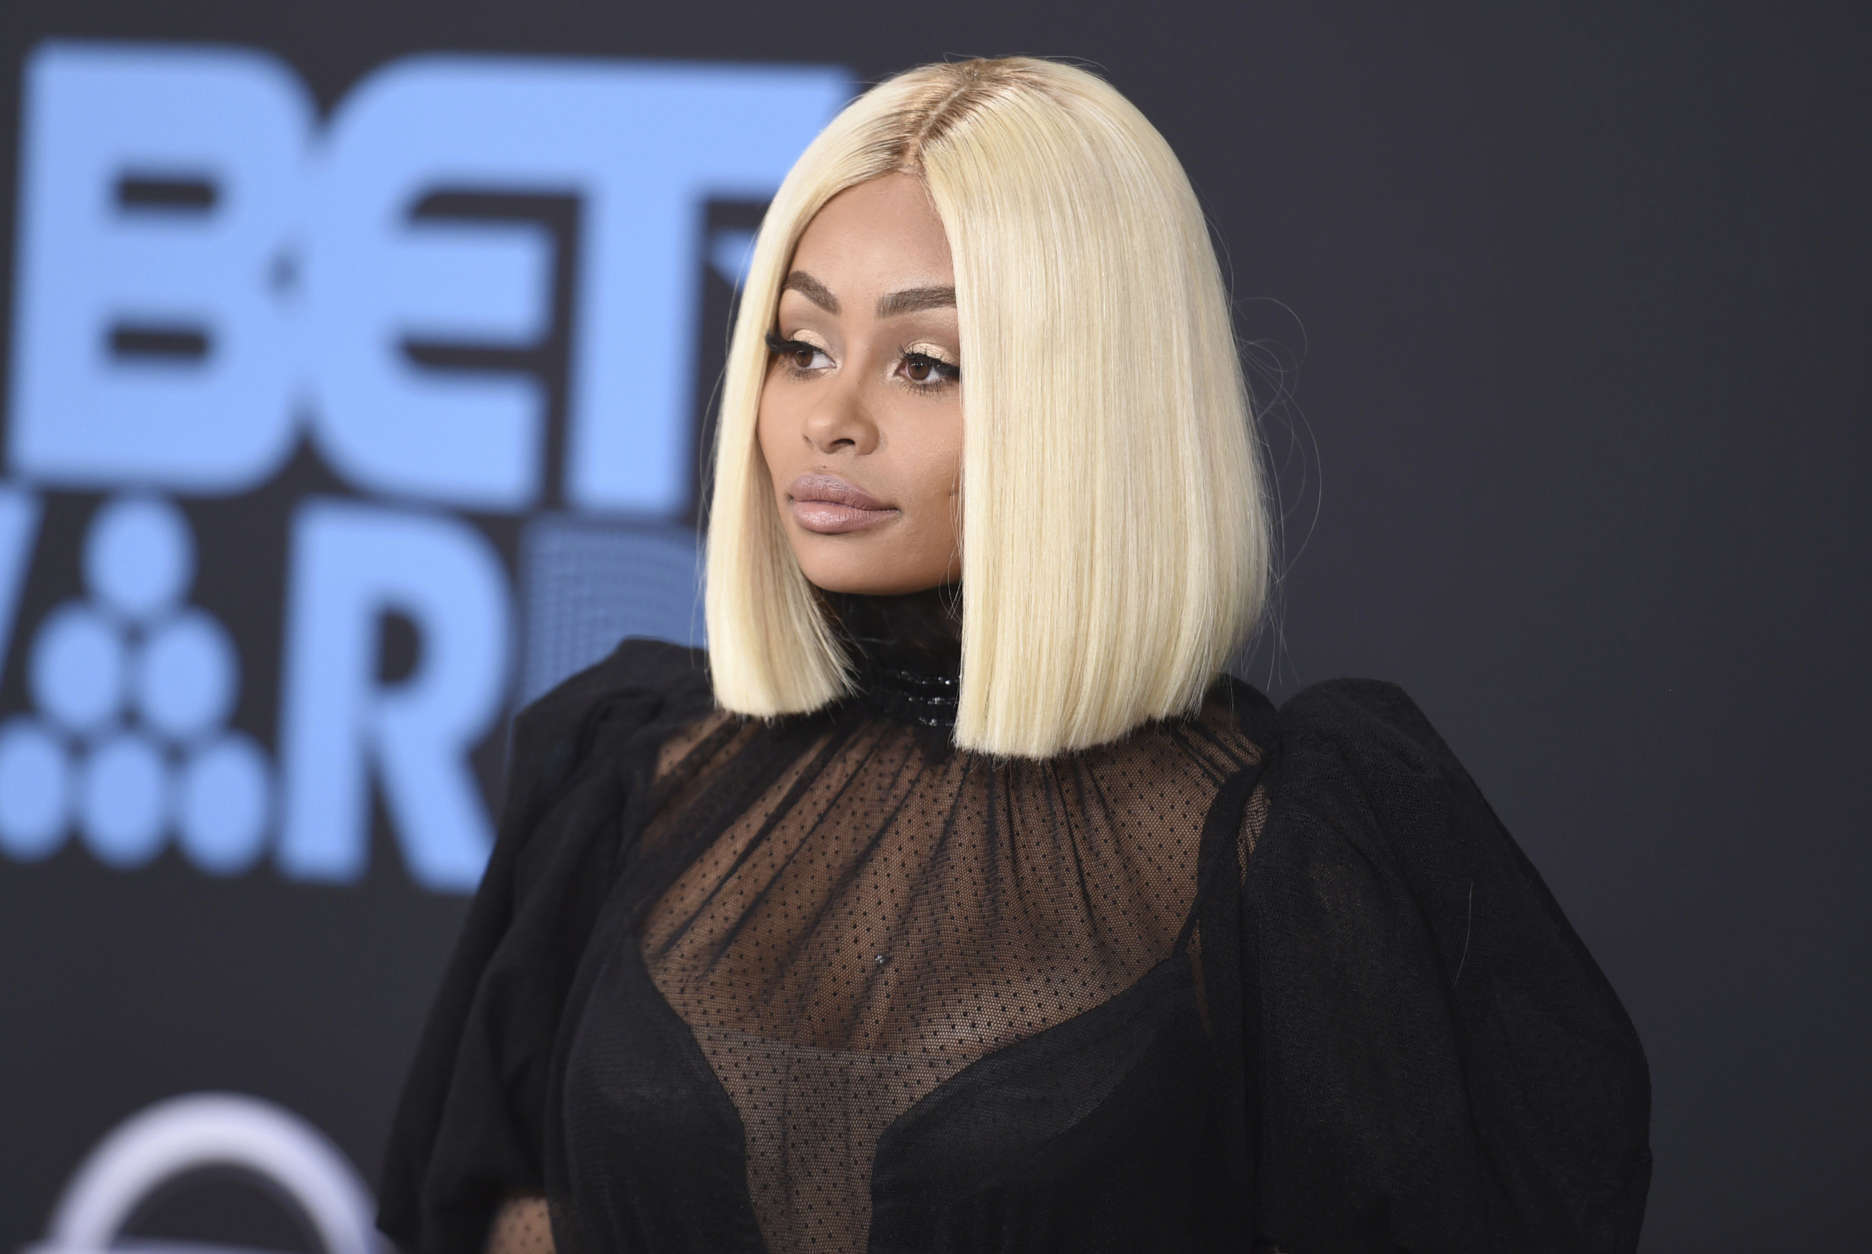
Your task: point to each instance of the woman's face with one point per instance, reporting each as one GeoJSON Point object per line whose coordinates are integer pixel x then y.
{"type": "Point", "coordinates": [863, 390]}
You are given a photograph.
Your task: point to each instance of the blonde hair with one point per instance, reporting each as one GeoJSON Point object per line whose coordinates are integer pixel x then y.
{"type": "Point", "coordinates": [1116, 541]}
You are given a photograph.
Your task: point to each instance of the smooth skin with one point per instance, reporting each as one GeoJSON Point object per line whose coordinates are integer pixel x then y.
{"type": "Point", "coordinates": [870, 391]}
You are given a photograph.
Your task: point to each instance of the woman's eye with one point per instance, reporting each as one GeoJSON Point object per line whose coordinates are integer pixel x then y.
{"type": "Point", "coordinates": [797, 354]}
{"type": "Point", "coordinates": [926, 371]}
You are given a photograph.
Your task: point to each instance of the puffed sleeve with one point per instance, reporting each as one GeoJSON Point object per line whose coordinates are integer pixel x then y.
{"type": "Point", "coordinates": [469, 1123]}
{"type": "Point", "coordinates": [1436, 1061]}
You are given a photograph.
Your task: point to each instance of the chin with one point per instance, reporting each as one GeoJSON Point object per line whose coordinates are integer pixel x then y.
{"type": "Point", "coordinates": [859, 585]}
{"type": "Point", "coordinates": [878, 578]}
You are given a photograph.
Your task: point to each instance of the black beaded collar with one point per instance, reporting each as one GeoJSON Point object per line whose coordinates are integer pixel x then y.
{"type": "Point", "coordinates": [907, 648]}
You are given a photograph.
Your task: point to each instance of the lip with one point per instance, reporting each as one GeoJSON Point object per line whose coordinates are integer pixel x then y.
{"type": "Point", "coordinates": [829, 505]}
{"type": "Point", "coordinates": [822, 487]}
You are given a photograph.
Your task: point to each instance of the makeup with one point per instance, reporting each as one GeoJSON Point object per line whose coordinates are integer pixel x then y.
{"type": "Point", "coordinates": [831, 518]}
{"type": "Point", "coordinates": [830, 505]}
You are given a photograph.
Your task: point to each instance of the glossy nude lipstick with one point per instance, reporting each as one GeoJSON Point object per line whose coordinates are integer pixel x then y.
{"type": "Point", "coordinates": [829, 505]}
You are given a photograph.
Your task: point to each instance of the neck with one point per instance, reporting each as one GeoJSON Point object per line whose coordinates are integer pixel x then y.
{"type": "Point", "coordinates": [907, 648]}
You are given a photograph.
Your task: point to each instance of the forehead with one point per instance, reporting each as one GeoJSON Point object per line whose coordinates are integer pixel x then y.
{"type": "Point", "coordinates": [875, 235]}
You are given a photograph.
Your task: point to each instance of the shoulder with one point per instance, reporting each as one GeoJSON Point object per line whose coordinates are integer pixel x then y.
{"type": "Point", "coordinates": [1359, 757]}
{"type": "Point", "coordinates": [1365, 728]}
{"type": "Point", "coordinates": [1372, 715]}
{"type": "Point", "coordinates": [637, 667]}
{"type": "Point", "coordinates": [637, 692]}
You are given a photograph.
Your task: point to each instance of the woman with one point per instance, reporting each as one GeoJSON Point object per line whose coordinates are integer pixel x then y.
{"type": "Point", "coordinates": [957, 898]}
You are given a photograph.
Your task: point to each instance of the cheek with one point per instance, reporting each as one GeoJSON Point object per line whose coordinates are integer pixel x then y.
{"type": "Point", "coordinates": [941, 473]}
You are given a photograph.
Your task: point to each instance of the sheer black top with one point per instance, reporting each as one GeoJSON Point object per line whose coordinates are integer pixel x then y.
{"type": "Point", "coordinates": [1250, 978]}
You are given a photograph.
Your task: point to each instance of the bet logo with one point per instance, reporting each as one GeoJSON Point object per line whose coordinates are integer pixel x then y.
{"type": "Point", "coordinates": [127, 744]}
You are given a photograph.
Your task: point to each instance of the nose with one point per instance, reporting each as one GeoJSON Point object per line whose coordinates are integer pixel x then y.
{"type": "Point", "coordinates": [840, 416]}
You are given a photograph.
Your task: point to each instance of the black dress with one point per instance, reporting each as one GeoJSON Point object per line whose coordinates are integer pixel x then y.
{"type": "Point", "coordinates": [1246, 979]}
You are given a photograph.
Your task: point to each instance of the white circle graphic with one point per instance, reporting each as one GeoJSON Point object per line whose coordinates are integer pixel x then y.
{"type": "Point", "coordinates": [197, 1130]}
{"type": "Point", "coordinates": [185, 675]}
{"type": "Point", "coordinates": [139, 556]}
{"type": "Point", "coordinates": [122, 800]}
{"type": "Point", "coordinates": [225, 794]}
{"type": "Point", "coordinates": [76, 669]}
{"type": "Point", "coordinates": [35, 787]}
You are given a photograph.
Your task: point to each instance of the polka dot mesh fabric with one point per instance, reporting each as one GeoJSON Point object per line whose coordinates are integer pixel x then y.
{"type": "Point", "coordinates": [846, 914]}
{"type": "Point", "coordinates": [522, 1225]}
{"type": "Point", "coordinates": [879, 918]}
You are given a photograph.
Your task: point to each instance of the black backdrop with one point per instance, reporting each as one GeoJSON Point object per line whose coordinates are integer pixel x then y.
{"type": "Point", "coordinates": [1558, 317]}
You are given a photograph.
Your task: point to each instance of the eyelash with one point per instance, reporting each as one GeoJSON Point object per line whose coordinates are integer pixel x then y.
{"type": "Point", "coordinates": [783, 348]}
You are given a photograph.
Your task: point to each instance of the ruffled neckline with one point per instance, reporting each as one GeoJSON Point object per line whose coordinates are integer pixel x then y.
{"type": "Point", "coordinates": [907, 648]}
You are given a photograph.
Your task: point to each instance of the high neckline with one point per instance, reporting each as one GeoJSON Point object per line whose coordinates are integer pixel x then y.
{"type": "Point", "coordinates": [907, 648]}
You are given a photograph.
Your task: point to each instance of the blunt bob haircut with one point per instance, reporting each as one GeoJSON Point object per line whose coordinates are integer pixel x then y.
{"type": "Point", "coordinates": [1116, 545]}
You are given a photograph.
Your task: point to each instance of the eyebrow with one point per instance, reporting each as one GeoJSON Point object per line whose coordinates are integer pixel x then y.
{"type": "Point", "coordinates": [812, 289]}
{"type": "Point", "coordinates": [909, 300]}
{"type": "Point", "coordinates": [912, 299]}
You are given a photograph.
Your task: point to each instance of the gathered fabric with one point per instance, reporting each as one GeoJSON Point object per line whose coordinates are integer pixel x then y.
{"type": "Point", "coordinates": [1242, 978]}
